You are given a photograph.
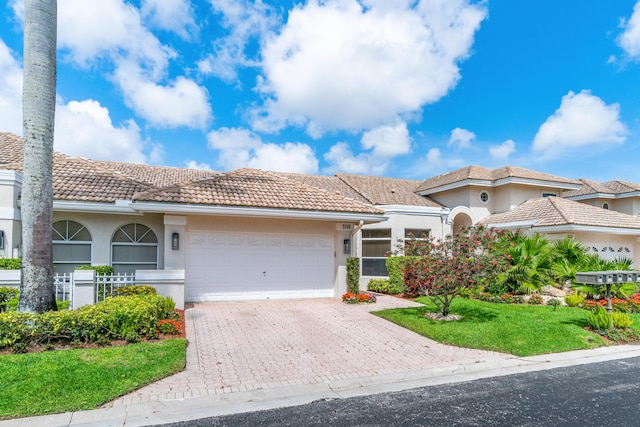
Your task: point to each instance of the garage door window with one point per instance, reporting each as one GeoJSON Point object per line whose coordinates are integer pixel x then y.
{"type": "Point", "coordinates": [375, 245]}
{"type": "Point", "coordinates": [71, 246]}
{"type": "Point", "coordinates": [134, 247]}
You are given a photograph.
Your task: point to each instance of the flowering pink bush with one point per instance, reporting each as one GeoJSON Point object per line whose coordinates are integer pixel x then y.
{"type": "Point", "coordinates": [442, 269]}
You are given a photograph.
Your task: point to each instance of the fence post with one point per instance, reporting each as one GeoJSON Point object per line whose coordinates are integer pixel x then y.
{"type": "Point", "coordinates": [84, 288]}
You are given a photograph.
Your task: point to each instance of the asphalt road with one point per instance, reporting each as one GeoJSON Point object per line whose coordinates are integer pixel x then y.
{"type": "Point", "coordinates": [598, 394]}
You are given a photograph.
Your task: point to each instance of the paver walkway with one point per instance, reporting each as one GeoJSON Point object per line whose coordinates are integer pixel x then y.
{"type": "Point", "coordinates": [252, 345]}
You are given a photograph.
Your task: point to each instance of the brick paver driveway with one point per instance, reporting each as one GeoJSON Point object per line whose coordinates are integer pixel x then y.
{"type": "Point", "coordinates": [251, 345]}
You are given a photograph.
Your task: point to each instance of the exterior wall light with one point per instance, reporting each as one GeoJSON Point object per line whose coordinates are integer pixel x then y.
{"type": "Point", "coordinates": [175, 241]}
{"type": "Point", "coordinates": [1, 239]}
{"type": "Point", "coordinates": [346, 246]}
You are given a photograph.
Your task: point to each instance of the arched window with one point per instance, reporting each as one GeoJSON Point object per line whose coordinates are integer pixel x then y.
{"type": "Point", "coordinates": [134, 247]}
{"type": "Point", "coordinates": [71, 246]}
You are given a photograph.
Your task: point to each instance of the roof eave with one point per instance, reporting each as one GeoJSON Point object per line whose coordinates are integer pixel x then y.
{"type": "Point", "coordinates": [411, 210]}
{"type": "Point", "coordinates": [500, 182]}
{"type": "Point", "coordinates": [591, 196]}
{"type": "Point", "coordinates": [255, 212]}
{"type": "Point", "coordinates": [118, 207]}
{"type": "Point", "coordinates": [455, 185]}
{"type": "Point", "coordinates": [572, 228]}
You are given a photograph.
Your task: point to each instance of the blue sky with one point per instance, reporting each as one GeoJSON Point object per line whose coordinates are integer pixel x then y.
{"type": "Point", "coordinates": [404, 88]}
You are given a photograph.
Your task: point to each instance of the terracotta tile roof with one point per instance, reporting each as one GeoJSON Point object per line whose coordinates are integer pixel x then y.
{"type": "Point", "coordinates": [158, 176]}
{"type": "Point", "coordinates": [329, 183]}
{"type": "Point", "coordinates": [79, 179]}
{"type": "Point", "coordinates": [556, 211]}
{"type": "Point", "coordinates": [484, 174]}
{"type": "Point", "coordinates": [594, 188]}
{"type": "Point", "coordinates": [387, 191]}
{"type": "Point", "coordinates": [82, 180]}
{"type": "Point", "coordinates": [588, 187]}
{"type": "Point", "coordinates": [255, 188]}
{"type": "Point", "coordinates": [10, 150]}
{"type": "Point", "coordinates": [621, 187]}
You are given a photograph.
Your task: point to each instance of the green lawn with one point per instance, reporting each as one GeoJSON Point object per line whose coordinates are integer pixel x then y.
{"type": "Point", "coordinates": [521, 330]}
{"type": "Point", "coordinates": [80, 379]}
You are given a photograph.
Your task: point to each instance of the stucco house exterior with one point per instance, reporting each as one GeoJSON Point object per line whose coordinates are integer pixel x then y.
{"type": "Point", "coordinates": [253, 234]}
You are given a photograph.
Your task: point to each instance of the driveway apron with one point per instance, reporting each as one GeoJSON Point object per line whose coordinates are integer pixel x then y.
{"type": "Point", "coordinates": [253, 345]}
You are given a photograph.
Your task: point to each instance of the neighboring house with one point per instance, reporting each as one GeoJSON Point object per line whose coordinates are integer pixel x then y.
{"type": "Point", "coordinates": [251, 234]}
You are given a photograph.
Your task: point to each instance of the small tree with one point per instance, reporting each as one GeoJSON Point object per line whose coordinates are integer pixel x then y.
{"type": "Point", "coordinates": [443, 268]}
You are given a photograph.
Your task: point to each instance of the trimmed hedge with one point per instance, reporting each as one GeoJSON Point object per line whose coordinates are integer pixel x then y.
{"type": "Point", "coordinates": [395, 268]}
{"type": "Point", "coordinates": [100, 269]}
{"type": "Point", "coordinates": [7, 297]}
{"type": "Point", "coordinates": [353, 275]}
{"type": "Point", "coordinates": [129, 318]}
{"type": "Point", "coordinates": [378, 285]}
{"type": "Point", "coordinates": [10, 263]}
{"type": "Point", "coordinates": [134, 290]}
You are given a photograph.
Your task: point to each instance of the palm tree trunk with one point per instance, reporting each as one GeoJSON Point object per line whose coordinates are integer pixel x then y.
{"type": "Point", "coordinates": [38, 109]}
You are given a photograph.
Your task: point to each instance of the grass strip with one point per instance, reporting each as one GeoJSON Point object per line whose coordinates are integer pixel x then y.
{"type": "Point", "coordinates": [521, 330]}
{"type": "Point", "coordinates": [81, 379]}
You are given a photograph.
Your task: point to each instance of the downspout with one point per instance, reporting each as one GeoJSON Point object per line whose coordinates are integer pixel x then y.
{"type": "Point", "coordinates": [444, 219]}
{"type": "Point", "coordinates": [353, 233]}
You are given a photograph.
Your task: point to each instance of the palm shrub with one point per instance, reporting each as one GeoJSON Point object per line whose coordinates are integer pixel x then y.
{"type": "Point", "coordinates": [530, 266]}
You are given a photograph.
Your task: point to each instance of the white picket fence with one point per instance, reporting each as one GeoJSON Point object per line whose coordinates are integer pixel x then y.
{"type": "Point", "coordinates": [105, 285]}
{"type": "Point", "coordinates": [64, 287]}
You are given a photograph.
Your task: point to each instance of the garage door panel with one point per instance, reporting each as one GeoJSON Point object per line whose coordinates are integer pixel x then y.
{"type": "Point", "coordinates": [236, 266]}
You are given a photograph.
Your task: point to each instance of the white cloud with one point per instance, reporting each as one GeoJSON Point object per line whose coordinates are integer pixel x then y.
{"type": "Point", "coordinates": [10, 91]}
{"type": "Point", "coordinates": [180, 103]}
{"type": "Point", "coordinates": [387, 141]}
{"type": "Point", "coordinates": [383, 143]}
{"type": "Point", "coordinates": [193, 164]}
{"type": "Point", "coordinates": [582, 120]}
{"type": "Point", "coordinates": [115, 33]}
{"type": "Point", "coordinates": [341, 159]}
{"type": "Point", "coordinates": [245, 21]}
{"type": "Point", "coordinates": [434, 159]}
{"type": "Point", "coordinates": [84, 129]}
{"type": "Point", "coordinates": [338, 64]}
{"type": "Point", "coordinates": [629, 40]}
{"type": "Point", "coordinates": [171, 15]}
{"type": "Point", "coordinates": [110, 31]}
{"type": "Point", "coordinates": [435, 162]}
{"type": "Point", "coordinates": [240, 148]}
{"type": "Point", "coordinates": [502, 151]}
{"type": "Point", "coordinates": [461, 138]}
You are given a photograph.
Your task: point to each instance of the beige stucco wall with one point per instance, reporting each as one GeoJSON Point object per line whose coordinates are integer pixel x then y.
{"type": "Point", "coordinates": [507, 197]}
{"type": "Point", "coordinates": [103, 226]}
{"type": "Point", "coordinates": [397, 223]}
{"type": "Point", "coordinates": [10, 186]}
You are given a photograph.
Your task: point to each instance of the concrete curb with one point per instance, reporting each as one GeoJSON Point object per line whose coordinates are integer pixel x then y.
{"type": "Point", "coordinates": [171, 411]}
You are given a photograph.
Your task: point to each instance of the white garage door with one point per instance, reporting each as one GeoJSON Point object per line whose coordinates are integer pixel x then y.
{"type": "Point", "coordinates": [235, 266]}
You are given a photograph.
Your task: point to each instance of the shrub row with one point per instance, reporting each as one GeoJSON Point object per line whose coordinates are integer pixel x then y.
{"type": "Point", "coordinates": [129, 318]}
{"type": "Point", "coordinates": [10, 263]}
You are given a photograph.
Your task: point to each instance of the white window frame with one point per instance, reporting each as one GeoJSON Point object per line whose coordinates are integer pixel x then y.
{"type": "Point", "coordinates": [374, 239]}
{"type": "Point", "coordinates": [68, 240]}
{"type": "Point", "coordinates": [135, 241]}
